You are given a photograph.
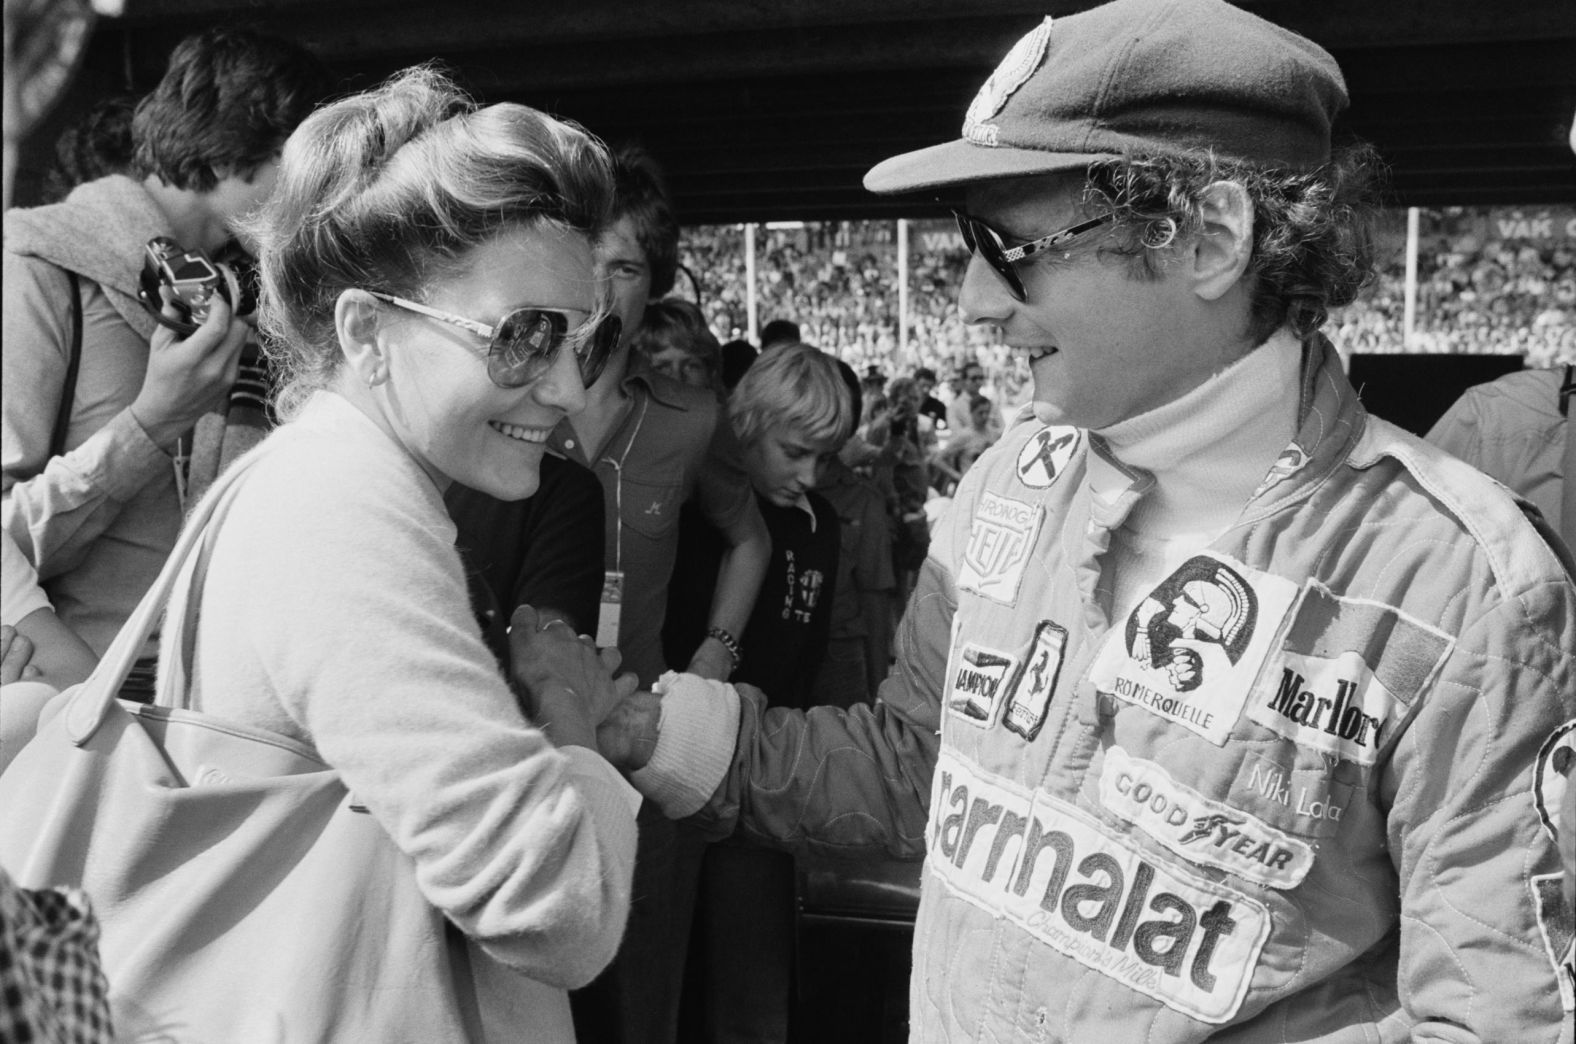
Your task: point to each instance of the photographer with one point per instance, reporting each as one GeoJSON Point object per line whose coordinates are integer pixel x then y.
{"type": "Point", "coordinates": [99, 401]}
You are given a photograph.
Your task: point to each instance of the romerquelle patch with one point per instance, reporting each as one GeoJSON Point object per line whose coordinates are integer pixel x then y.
{"type": "Point", "coordinates": [1198, 829]}
{"type": "Point", "coordinates": [1050, 869]}
{"type": "Point", "coordinates": [1191, 649]}
{"type": "Point", "coordinates": [1345, 666]}
{"type": "Point", "coordinates": [1001, 538]}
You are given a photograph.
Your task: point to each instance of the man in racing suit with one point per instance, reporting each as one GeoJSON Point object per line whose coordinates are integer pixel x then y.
{"type": "Point", "coordinates": [1222, 709]}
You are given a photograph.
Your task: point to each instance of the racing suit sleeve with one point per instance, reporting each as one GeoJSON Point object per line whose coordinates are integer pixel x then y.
{"type": "Point", "coordinates": [1486, 933]}
{"type": "Point", "coordinates": [842, 782]}
{"type": "Point", "coordinates": [55, 508]}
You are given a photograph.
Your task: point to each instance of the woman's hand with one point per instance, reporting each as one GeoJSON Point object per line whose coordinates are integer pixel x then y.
{"type": "Point", "coordinates": [568, 685]}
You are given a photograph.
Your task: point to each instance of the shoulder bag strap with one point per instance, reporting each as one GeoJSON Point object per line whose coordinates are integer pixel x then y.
{"type": "Point", "coordinates": [92, 699]}
{"type": "Point", "coordinates": [57, 440]}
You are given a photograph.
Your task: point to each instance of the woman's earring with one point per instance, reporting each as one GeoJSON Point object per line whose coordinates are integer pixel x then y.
{"type": "Point", "coordinates": [377, 377]}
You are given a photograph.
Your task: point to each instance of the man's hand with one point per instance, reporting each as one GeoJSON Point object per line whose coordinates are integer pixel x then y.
{"type": "Point", "coordinates": [627, 736]}
{"type": "Point", "coordinates": [187, 378]}
{"type": "Point", "coordinates": [16, 655]}
{"type": "Point", "coordinates": [569, 686]}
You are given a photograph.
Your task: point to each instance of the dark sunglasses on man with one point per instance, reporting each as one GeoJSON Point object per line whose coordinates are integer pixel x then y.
{"type": "Point", "coordinates": [524, 343]}
{"type": "Point", "coordinates": [983, 240]}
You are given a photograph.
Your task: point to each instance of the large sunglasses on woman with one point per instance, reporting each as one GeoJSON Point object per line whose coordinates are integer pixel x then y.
{"type": "Point", "coordinates": [524, 343]}
{"type": "Point", "coordinates": [983, 240]}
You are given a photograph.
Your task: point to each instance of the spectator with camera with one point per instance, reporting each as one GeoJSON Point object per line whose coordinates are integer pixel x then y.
{"type": "Point", "coordinates": [98, 399]}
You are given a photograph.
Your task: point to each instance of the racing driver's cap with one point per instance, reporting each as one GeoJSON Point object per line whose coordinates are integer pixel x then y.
{"type": "Point", "coordinates": [1139, 78]}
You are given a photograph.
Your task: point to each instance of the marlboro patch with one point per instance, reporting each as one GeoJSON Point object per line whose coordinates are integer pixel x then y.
{"type": "Point", "coordinates": [975, 681]}
{"type": "Point", "coordinates": [1000, 541]}
{"type": "Point", "coordinates": [1035, 684]}
{"type": "Point", "coordinates": [1046, 455]}
{"type": "Point", "coordinates": [1191, 649]}
{"type": "Point", "coordinates": [1345, 666]}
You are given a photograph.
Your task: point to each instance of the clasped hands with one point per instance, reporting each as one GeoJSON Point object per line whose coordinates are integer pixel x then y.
{"type": "Point", "coordinates": [572, 690]}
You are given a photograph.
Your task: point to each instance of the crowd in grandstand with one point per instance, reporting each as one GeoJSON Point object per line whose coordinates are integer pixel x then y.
{"type": "Point", "coordinates": [1487, 282]}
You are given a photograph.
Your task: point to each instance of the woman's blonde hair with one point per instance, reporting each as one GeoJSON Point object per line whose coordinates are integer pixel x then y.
{"type": "Point", "coordinates": [390, 189]}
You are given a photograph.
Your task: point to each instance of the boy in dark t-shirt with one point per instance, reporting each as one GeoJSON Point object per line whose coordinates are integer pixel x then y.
{"type": "Point", "coordinates": [790, 413]}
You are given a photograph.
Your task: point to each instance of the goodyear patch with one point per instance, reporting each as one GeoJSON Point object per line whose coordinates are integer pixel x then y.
{"type": "Point", "coordinates": [1555, 925]}
{"type": "Point", "coordinates": [1029, 700]}
{"type": "Point", "coordinates": [1191, 649]}
{"type": "Point", "coordinates": [976, 679]}
{"type": "Point", "coordinates": [1001, 539]}
{"type": "Point", "coordinates": [1051, 870]}
{"type": "Point", "coordinates": [1344, 667]}
{"type": "Point", "coordinates": [1198, 829]}
{"type": "Point", "coordinates": [1044, 458]}
{"type": "Point", "coordinates": [1019, 64]}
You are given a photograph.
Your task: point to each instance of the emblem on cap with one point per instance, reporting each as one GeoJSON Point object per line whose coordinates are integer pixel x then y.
{"type": "Point", "coordinates": [1020, 63]}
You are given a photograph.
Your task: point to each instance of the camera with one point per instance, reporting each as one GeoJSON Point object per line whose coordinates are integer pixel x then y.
{"type": "Point", "coordinates": [192, 278]}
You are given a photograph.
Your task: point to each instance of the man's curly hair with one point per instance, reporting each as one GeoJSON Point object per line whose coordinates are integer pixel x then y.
{"type": "Point", "coordinates": [1312, 230]}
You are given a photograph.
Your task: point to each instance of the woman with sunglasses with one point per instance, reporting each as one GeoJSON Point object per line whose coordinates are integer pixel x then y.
{"type": "Point", "coordinates": [429, 293]}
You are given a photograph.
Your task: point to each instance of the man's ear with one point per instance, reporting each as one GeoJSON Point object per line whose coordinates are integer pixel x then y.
{"type": "Point", "coordinates": [1225, 245]}
{"type": "Point", "coordinates": [357, 322]}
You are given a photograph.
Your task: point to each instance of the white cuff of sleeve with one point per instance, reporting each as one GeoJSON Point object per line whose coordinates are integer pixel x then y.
{"type": "Point", "coordinates": [698, 731]}
{"type": "Point", "coordinates": [587, 764]}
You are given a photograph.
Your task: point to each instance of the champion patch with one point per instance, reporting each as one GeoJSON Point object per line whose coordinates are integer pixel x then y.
{"type": "Point", "coordinates": [1554, 775]}
{"type": "Point", "coordinates": [1051, 870]}
{"type": "Point", "coordinates": [1000, 540]}
{"type": "Point", "coordinates": [1197, 829]}
{"type": "Point", "coordinates": [1555, 925]}
{"type": "Point", "coordinates": [1344, 667]}
{"type": "Point", "coordinates": [1030, 698]}
{"type": "Point", "coordinates": [1046, 455]}
{"type": "Point", "coordinates": [1191, 649]}
{"type": "Point", "coordinates": [975, 681]}
{"type": "Point", "coordinates": [1020, 63]}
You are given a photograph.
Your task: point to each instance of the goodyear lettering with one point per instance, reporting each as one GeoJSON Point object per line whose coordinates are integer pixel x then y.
{"type": "Point", "coordinates": [1198, 829]}
{"type": "Point", "coordinates": [1049, 868]}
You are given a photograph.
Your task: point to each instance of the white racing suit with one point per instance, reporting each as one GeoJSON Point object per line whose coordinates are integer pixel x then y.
{"type": "Point", "coordinates": [1306, 790]}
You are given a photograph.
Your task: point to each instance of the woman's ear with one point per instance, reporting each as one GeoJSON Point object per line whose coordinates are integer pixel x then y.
{"type": "Point", "coordinates": [1225, 245]}
{"type": "Point", "coordinates": [356, 321]}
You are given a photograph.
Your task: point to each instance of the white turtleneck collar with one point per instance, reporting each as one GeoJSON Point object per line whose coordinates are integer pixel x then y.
{"type": "Point", "coordinates": [1206, 453]}
{"type": "Point", "coordinates": [1209, 450]}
